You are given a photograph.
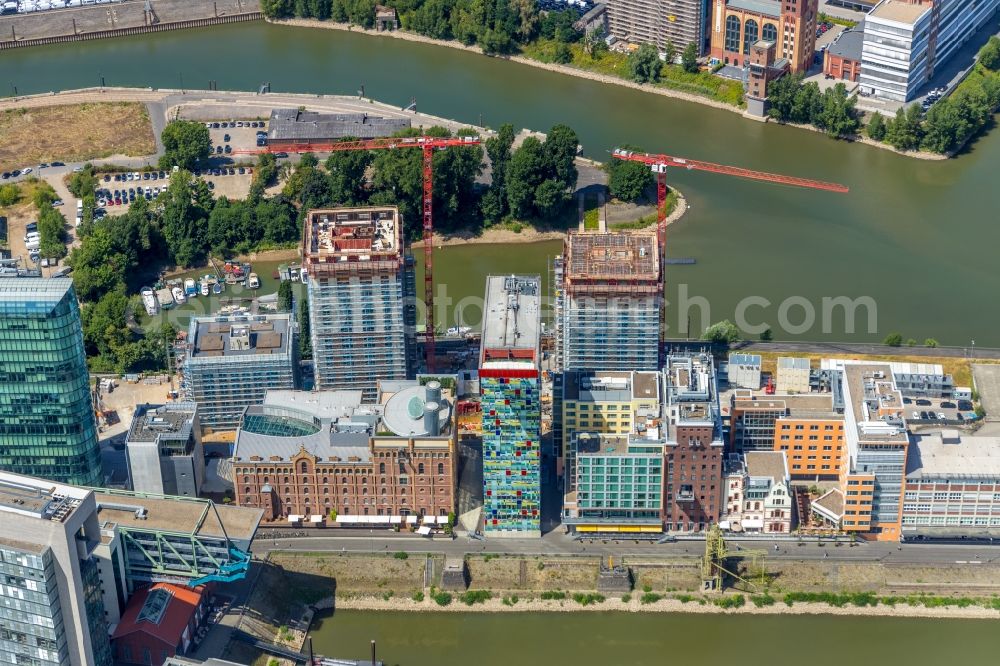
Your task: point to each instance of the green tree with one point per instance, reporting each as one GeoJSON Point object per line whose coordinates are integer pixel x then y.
{"type": "Point", "coordinates": [83, 182]}
{"type": "Point", "coordinates": [989, 55]}
{"type": "Point", "coordinates": [723, 331]}
{"type": "Point", "coordinates": [525, 173]}
{"type": "Point", "coordinates": [807, 104]}
{"type": "Point", "coordinates": [550, 197]}
{"type": "Point", "coordinates": [9, 194]}
{"type": "Point", "coordinates": [893, 340]}
{"type": "Point", "coordinates": [644, 64]}
{"type": "Point", "coordinates": [185, 144]}
{"type": "Point", "coordinates": [689, 58]}
{"type": "Point", "coordinates": [52, 232]}
{"type": "Point", "coordinates": [930, 342]}
{"type": "Point", "coordinates": [781, 96]}
{"type": "Point", "coordinates": [562, 54]}
{"type": "Point", "coordinates": [347, 170]}
{"type": "Point", "coordinates": [838, 115]}
{"type": "Point", "coordinates": [911, 342]}
{"type": "Point", "coordinates": [876, 127]}
{"type": "Point", "coordinates": [285, 296]}
{"type": "Point", "coordinates": [628, 180]}
{"type": "Point", "coordinates": [305, 341]}
{"type": "Point", "coordinates": [561, 146]}
{"type": "Point", "coordinates": [904, 132]}
{"type": "Point", "coordinates": [498, 149]}
{"type": "Point", "coordinates": [670, 53]}
{"type": "Point", "coordinates": [766, 335]}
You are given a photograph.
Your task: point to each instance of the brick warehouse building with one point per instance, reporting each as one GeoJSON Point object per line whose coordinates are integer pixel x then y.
{"type": "Point", "coordinates": [694, 488]}
{"type": "Point", "coordinates": [301, 456]}
{"type": "Point", "coordinates": [790, 24]}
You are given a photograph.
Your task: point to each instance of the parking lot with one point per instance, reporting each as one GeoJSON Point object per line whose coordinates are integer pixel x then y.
{"type": "Point", "coordinates": [987, 378]}
{"type": "Point", "coordinates": [938, 411]}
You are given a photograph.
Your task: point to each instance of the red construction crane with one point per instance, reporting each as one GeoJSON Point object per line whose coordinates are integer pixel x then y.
{"type": "Point", "coordinates": [428, 144]}
{"type": "Point", "coordinates": [660, 163]}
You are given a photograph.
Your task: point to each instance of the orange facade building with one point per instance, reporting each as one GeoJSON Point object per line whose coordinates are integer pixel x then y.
{"type": "Point", "coordinates": [790, 24]}
{"type": "Point", "coordinates": [813, 445]}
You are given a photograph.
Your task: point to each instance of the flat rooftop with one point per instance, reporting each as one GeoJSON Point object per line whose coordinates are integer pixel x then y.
{"type": "Point", "coordinates": [298, 125]}
{"type": "Point", "coordinates": [768, 464]}
{"type": "Point", "coordinates": [770, 8]}
{"type": "Point", "coordinates": [612, 256]}
{"type": "Point", "coordinates": [901, 12]}
{"type": "Point", "coordinates": [744, 359]}
{"type": "Point", "coordinates": [795, 404]}
{"type": "Point", "coordinates": [38, 498]}
{"type": "Point", "coordinates": [870, 390]}
{"type": "Point", "coordinates": [152, 422]}
{"type": "Point", "coordinates": [177, 514]}
{"type": "Point", "coordinates": [950, 454]}
{"type": "Point", "coordinates": [511, 319]}
{"type": "Point", "coordinates": [351, 238]}
{"type": "Point", "coordinates": [610, 385]}
{"type": "Point", "coordinates": [598, 444]}
{"type": "Point", "coordinates": [793, 363]}
{"type": "Point", "coordinates": [31, 295]}
{"type": "Point", "coordinates": [849, 44]}
{"type": "Point", "coordinates": [236, 336]}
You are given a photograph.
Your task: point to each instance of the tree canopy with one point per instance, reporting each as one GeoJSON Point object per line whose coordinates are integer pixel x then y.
{"type": "Point", "coordinates": [185, 144]}
{"type": "Point", "coordinates": [644, 64]}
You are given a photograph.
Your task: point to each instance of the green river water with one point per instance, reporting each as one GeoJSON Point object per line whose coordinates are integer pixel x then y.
{"type": "Point", "coordinates": [919, 238]}
{"type": "Point", "coordinates": [630, 639]}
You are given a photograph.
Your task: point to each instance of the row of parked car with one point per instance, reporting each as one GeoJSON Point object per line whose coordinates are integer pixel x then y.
{"type": "Point", "coordinates": [236, 123]}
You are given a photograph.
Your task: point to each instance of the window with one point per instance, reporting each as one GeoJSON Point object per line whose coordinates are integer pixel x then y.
{"type": "Point", "coordinates": [420, 468]}
{"type": "Point", "coordinates": [750, 34]}
{"type": "Point", "coordinates": [381, 468]}
{"type": "Point", "coordinates": [440, 469]}
{"type": "Point", "coordinates": [732, 33]}
{"type": "Point", "coordinates": [303, 467]}
{"type": "Point", "coordinates": [770, 34]}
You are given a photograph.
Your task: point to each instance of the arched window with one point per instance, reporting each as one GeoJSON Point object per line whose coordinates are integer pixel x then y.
{"type": "Point", "coordinates": [303, 467]}
{"type": "Point", "coordinates": [751, 32]}
{"type": "Point", "coordinates": [440, 469]}
{"type": "Point", "coordinates": [246, 479]}
{"type": "Point", "coordinates": [381, 468]}
{"type": "Point", "coordinates": [325, 480]}
{"type": "Point", "coordinates": [420, 468]}
{"type": "Point", "coordinates": [345, 490]}
{"type": "Point", "coordinates": [732, 33]}
{"type": "Point", "coordinates": [769, 33]}
{"type": "Point", "coordinates": [246, 491]}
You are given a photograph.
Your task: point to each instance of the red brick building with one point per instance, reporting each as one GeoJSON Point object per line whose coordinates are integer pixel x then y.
{"type": "Point", "coordinates": [693, 496]}
{"type": "Point", "coordinates": [842, 59]}
{"type": "Point", "coordinates": [158, 623]}
{"type": "Point", "coordinates": [790, 24]}
{"type": "Point", "coordinates": [303, 457]}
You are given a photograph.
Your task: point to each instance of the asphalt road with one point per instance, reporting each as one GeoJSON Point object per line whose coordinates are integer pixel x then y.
{"type": "Point", "coordinates": [553, 544]}
{"type": "Point", "coordinates": [866, 348]}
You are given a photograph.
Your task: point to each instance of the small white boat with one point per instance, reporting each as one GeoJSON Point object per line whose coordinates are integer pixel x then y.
{"type": "Point", "coordinates": [149, 301]}
{"type": "Point", "coordinates": [190, 289]}
{"type": "Point", "coordinates": [179, 296]}
{"type": "Point", "coordinates": [204, 288]}
{"type": "Point", "coordinates": [253, 281]}
{"type": "Point", "coordinates": [218, 288]}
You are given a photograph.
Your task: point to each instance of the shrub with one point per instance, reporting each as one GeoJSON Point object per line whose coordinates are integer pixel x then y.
{"type": "Point", "coordinates": [511, 600]}
{"type": "Point", "coordinates": [650, 598]}
{"type": "Point", "coordinates": [893, 340]}
{"type": "Point", "coordinates": [402, 555]}
{"type": "Point", "coordinates": [475, 597]}
{"type": "Point", "coordinates": [9, 194]}
{"type": "Point", "coordinates": [587, 599]}
{"type": "Point", "coordinates": [442, 598]}
{"type": "Point", "coordinates": [684, 598]}
{"type": "Point", "coordinates": [761, 600]}
{"type": "Point", "coordinates": [733, 601]}
{"type": "Point", "coordinates": [626, 598]}
{"type": "Point", "coordinates": [553, 594]}
{"type": "Point", "coordinates": [418, 596]}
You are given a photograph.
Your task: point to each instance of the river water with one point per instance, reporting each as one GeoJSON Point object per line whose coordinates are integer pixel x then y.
{"type": "Point", "coordinates": [630, 639]}
{"type": "Point", "coordinates": [918, 238]}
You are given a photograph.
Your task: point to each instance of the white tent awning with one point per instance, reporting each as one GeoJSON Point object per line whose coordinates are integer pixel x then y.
{"type": "Point", "coordinates": [315, 519]}
{"type": "Point", "coordinates": [424, 530]}
{"type": "Point", "coordinates": [293, 518]}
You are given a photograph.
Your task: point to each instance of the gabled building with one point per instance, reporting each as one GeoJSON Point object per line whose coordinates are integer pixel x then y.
{"type": "Point", "coordinates": [788, 24]}
{"type": "Point", "coordinates": [160, 622]}
{"type": "Point", "coordinates": [758, 494]}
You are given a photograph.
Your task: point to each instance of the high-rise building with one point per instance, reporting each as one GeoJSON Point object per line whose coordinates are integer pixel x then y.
{"type": "Point", "coordinates": [694, 490]}
{"type": "Point", "coordinates": [613, 403]}
{"type": "Point", "coordinates": [232, 361]}
{"type": "Point", "coordinates": [164, 449]}
{"type": "Point", "coordinates": [610, 309]}
{"type": "Point", "coordinates": [788, 24]}
{"type": "Point", "coordinates": [53, 613]}
{"type": "Point", "coordinates": [362, 327]}
{"type": "Point", "coordinates": [679, 22]}
{"type": "Point", "coordinates": [510, 386]}
{"type": "Point", "coordinates": [47, 426]}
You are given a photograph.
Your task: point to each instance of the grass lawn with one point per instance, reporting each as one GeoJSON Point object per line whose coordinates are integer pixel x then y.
{"type": "Point", "coordinates": [672, 77]}
{"type": "Point", "coordinates": [74, 133]}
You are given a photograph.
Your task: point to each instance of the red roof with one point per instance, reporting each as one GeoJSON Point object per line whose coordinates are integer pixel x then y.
{"type": "Point", "coordinates": [168, 625]}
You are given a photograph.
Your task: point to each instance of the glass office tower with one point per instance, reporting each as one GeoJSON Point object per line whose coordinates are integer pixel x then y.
{"type": "Point", "coordinates": [47, 426]}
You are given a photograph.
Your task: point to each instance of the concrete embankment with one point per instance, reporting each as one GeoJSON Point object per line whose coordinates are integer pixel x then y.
{"type": "Point", "coordinates": [120, 19]}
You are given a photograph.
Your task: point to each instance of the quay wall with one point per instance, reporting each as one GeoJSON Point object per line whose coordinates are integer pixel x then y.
{"type": "Point", "coordinates": [120, 18]}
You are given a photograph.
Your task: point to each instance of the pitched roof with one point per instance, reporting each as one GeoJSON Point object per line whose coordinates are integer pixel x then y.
{"type": "Point", "coordinates": [162, 611]}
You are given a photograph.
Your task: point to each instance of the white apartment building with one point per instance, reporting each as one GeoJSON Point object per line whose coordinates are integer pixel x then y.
{"type": "Point", "coordinates": [894, 57]}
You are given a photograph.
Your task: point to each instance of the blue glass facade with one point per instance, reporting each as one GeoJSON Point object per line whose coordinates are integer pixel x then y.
{"type": "Point", "coordinates": [47, 426]}
{"type": "Point", "coordinates": [511, 462]}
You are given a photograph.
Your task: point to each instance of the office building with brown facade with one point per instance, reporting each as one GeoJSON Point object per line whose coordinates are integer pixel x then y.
{"type": "Point", "coordinates": [324, 457]}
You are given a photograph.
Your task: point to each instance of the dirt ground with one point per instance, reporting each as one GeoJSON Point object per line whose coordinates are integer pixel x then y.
{"type": "Point", "coordinates": [124, 399]}
{"type": "Point", "coordinates": [74, 133]}
{"type": "Point", "coordinates": [539, 573]}
{"type": "Point", "coordinates": [666, 575]}
{"type": "Point", "coordinates": [941, 579]}
{"type": "Point", "coordinates": [232, 187]}
{"type": "Point", "coordinates": [381, 574]}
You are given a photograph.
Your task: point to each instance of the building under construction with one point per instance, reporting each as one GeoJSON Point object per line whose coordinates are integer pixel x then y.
{"type": "Point", "coordinates": [361, 326]}
{"type": "Point", "coordinates": [679, 22]}
{"type": "Point", "coordinates": [609, 302]}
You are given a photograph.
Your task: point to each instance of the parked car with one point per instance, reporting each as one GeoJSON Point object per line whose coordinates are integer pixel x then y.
{"type": "Point", "coordinates": [55, 164]}
{"type": "Point", "coordinates": [941, 416]}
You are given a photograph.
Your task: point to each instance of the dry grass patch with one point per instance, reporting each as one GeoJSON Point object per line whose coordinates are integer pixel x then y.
{"type": "Point", "coordinates": [959, 368]}
{"type": "Point", "coordinates": [74, 133]}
